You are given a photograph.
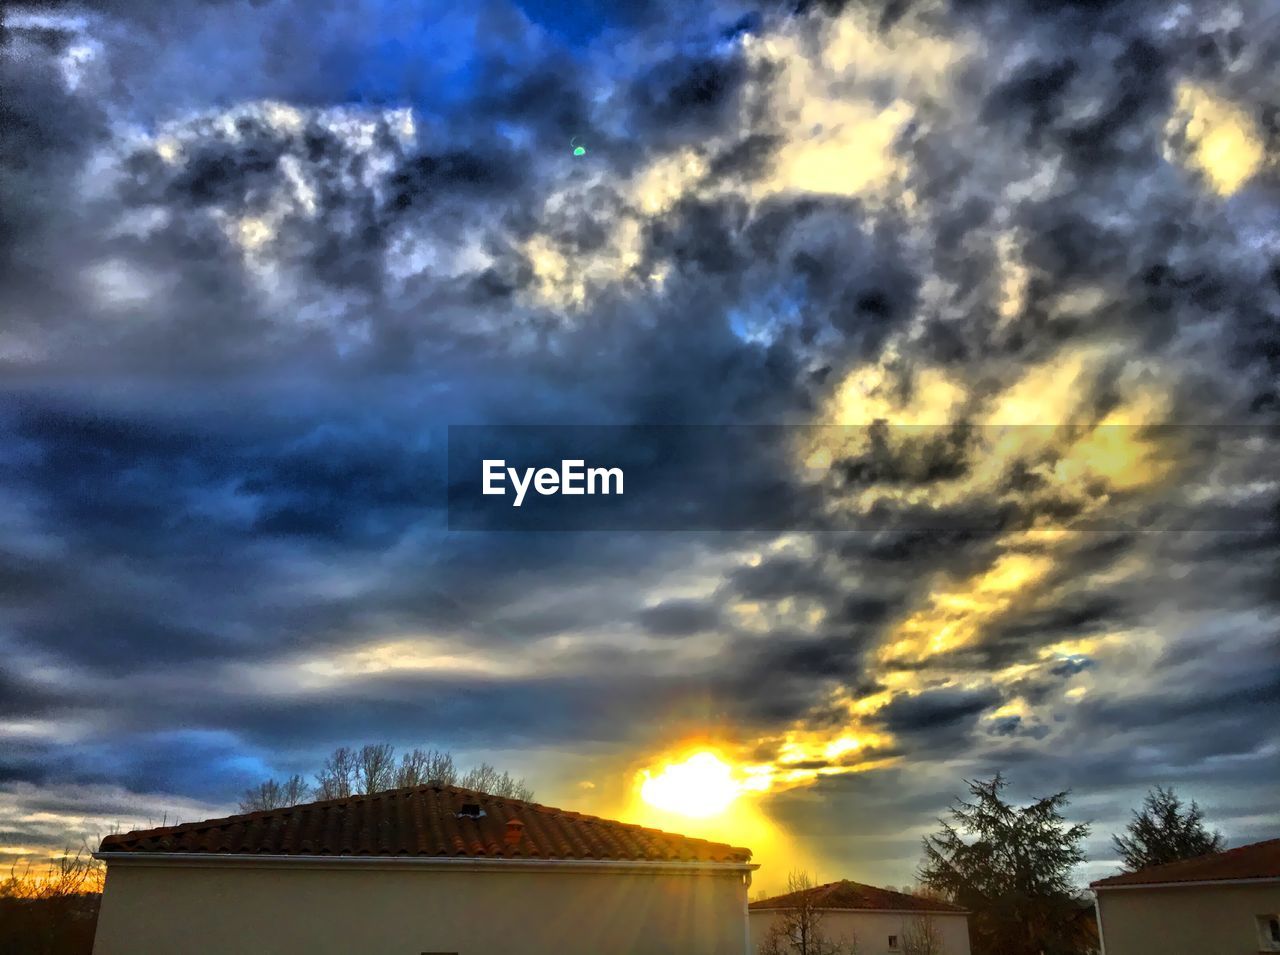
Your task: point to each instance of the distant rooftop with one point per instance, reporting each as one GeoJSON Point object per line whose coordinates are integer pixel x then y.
{"type": "Point", "coordinates": [1259, 860]}
{"type": "Point", "coordinates": [854, 895]}
{"type": "Point", "coordinates": [425, 821]}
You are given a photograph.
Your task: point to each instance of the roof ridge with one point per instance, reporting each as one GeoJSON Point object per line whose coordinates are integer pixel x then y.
{"type": "Point", "coordinates": [830, 892]}
{"type": "Point", "coordinates": [356, 799]}
{"type": "Point", "coordinates": [1144, 875]}
{"type": "Point", "coordinates": [318, 803]}
{"type": "Point", "coordinates": [1228, 851]}
{"type": "Point", "coordinates": [1219, 854]}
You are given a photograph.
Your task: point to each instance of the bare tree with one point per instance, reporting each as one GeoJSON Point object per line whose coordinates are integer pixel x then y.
{"type": "Point", "coordinates": [798, 928]}
{"type": "Point", "coordinates": [274, 794]}
{"type": "Point", "coordinates": [51, 910]}
{"type": "Point", "coordinates": [336, 780]}
{"type": "Point", "coordinates": [440, 769]}
{"type": "Point", "coordinates": [265, 795]}
{"type": "Point", "coordinates": [486, 779]}
{"type": "Point", "coordinates": [375, 768]}
{"type": "Point", "coordinates": [921, 935]}
{"type": "Point", "coordinates": [431, 767]}
{"type": "Point", "coordinates": [483, 778]}
{"type": "Point", "coordinates": [294, 790]}
{"type": "Point", "coordinates": [66, 875]}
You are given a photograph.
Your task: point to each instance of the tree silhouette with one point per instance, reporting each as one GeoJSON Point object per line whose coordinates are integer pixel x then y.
{"type": "Point", "coordinates": [1010, 866]}
{"type": "Point", "coordinates": [373, 768]}
{"type": "Point", "coordinates": [275, 794]}
{"type": "Point", "coordinates": [1165, 831]}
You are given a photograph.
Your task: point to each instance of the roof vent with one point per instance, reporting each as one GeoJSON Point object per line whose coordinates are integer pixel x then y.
{"type": "Point", "coordinates": [470, 810]}
{"type": "Point", "coordinates": [514, 833]}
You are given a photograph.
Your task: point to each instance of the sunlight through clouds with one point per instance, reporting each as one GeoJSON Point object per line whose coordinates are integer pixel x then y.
{"type": "Point", "coordinates": [1222, 140]}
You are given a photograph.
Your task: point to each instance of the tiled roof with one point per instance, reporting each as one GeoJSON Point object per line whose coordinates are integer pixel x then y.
{"type": "Point", "coordinates": [424, 821]}
{"type": "Point", "coordinates": [855, 895]}
{"type": "Point", "coordinates": [1259, 860]}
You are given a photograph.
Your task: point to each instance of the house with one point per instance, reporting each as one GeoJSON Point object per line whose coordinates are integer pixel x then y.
{"type": "Point", "coordinates": [428, 870]}
{"type": "Point", "coordinates": [1221, 904]}
{"type": "Point", "coordinates": [881, 921]}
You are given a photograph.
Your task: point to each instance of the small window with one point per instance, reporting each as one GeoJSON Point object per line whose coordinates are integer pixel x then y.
{"type": "Point", "coordinates": [893, 942]}
{"type": "Point", "coordinates": [1269, 933]}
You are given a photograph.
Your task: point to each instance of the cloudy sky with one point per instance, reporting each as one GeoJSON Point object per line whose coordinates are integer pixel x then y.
{"type": "Point", "coordinates": [1004, 277]}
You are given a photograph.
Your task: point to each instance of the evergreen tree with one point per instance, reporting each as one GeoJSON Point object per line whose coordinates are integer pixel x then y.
{"type": "Point", "coordinates": [1010, 866]}
{"type": "Point", "coordinates": [1165, 831]}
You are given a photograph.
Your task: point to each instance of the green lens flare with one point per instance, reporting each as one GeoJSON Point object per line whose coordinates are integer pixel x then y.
{"type": "Point", "coordinates": [579, 151]}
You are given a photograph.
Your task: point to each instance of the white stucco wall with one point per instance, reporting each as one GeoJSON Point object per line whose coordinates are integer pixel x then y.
{"type": "Point", "coordinates": [872, 930]}
{"type": "Point", "coordinates": [224, 909]}
{"type": "Point", "coordinates": [1205, 919]}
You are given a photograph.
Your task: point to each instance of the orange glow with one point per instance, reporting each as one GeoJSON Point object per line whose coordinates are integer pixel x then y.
{"type": "Point", "coordinates": [955, 616]}
{"type": "Point", "coordinates": [702, 785]}
{"type": "Point", "coordinates": [703, 792]}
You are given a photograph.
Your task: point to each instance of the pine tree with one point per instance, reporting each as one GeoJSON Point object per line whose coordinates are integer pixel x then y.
{"type": "Point", "coordinates": [1164, 831]}
{"type": "Point", "coordinates": [1010, 866]}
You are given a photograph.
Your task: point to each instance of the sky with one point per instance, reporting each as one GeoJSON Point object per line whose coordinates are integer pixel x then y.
{"type": "Point", "coordinates": [1001, 278]}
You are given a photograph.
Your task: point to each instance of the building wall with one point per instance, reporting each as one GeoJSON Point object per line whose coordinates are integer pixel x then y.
{"type": "Point", "coordinates": [1198, 920]}
{"type": "Point", "coordinates": [872, 930]}
{"type": "Point", "coordinates": [302, 910]}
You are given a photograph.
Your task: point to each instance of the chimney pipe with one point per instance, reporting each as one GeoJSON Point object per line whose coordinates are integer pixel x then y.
{"type": "Point", "coordinates": [514, 833]}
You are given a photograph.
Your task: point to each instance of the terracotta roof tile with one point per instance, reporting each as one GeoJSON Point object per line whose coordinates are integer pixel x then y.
{"type": "Point", "coordinates": [1259, 860]}
{"type": "Point", "coordinates": [424, 821]}
{"type": "Point", "coordinates": [855, 895]}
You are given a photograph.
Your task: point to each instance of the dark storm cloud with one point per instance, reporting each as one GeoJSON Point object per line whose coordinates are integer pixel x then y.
{"type": "Point", "coordinates": [18, 697]}
{"type": "Point", "coordinates": [688, 97]}
{"type": "Point", "coordinates": [1252, 694]}
{"type": "Point", "coordinates": [424, 178]}
{"type": "Point", "coordinates": [549, 99]}
{"type": "Point", "coordinates": [866, 609]}
{"type": "Point", "coordinates": [852, 280]}
{"type": "Point", "coordinates": [469, 713]}
{"type": "Point", "coordinates": [47, 132]}
{"type": "Point", "coordinates": [783, 577]}
{"type": "Point", "coordinates": [1073, 615]}
{"type": "Point", "coordinates": [917, 547]}
{"type": "Point", "coordinates": [336, 230]}
{"type": "Point", "coordinates": [935, 711]}
{"type": "Point", "coordinates": [749, 158]}
{"type": "Point", "coordinates": [1067, 614]}
{"type": "Point", "coordinates": [118, 479]}
{"type": "Point", "coordinates": [702, 237]}
{"type": "Point", "coordinates": [679, 618]}
{"type": "Point", "coordinates": [177, 761]}
{"type": "Point", "coordinates": [926, 460]}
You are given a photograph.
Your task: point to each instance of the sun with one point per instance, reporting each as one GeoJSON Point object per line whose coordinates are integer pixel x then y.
{"type": "Point", "coordinates": [703, 785]}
